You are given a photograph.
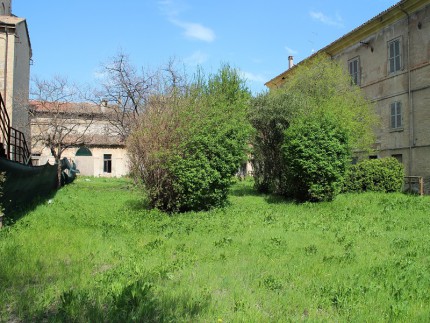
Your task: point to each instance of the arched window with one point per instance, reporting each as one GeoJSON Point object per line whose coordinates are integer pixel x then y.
{"type": "Point", "coordinates": [3, 9]}
{"type": "Point", "coordinates": [83, 151]}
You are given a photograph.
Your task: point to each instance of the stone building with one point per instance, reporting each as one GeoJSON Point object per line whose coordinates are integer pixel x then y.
{"type": "Point", "coordinates": [389, 58]}
{"type": "Point", "coordinates": [15, 58]}
{"type": "Point", "coordinates": [100, 152]}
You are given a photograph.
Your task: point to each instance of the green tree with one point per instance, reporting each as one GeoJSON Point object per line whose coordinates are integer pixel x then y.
{"type": "Point", "coordinates": [324, 88]}
{"type": "Point", "coordinates": [270, 115]}
{"type": "Point", "coordinates": [316, 90]}
{"type": "Point", "coordinates": [191, 141]}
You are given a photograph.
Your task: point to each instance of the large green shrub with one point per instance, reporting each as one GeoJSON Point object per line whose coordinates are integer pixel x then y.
{"type": "Point", "coordinates": [315, 89]}
{"type": "Point", "coordinates": [189, 144]}
{"type": "Point", "coordinates": [316, 154]}
{"type": "Point", "coordinates": [379, 175]}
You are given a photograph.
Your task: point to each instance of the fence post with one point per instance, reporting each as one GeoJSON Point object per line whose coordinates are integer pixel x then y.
{"type": "Point", "coordinates": [421, 186]}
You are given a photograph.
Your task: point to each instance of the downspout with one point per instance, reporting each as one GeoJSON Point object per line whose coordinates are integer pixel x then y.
{"type": "Point", "coordinates": [5, 66]}
{"type": "Point", "coordinates": [410, 103]}
{"type": "Point", "coordinates": [8, 152]}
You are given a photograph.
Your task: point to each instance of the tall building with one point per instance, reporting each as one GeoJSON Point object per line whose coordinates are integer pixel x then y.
{"type": "Point", "coordinates": [389, 58]}
{"type": "Point", "coordinates": [15, 58]}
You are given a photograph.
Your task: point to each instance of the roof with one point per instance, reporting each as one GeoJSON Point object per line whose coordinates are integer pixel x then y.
{"type": "Point", "coordinates": [10, 20]}
{"type": "Point", "coordinates": [80, 109]}
{"type": "Point", "coordinates": [13, 21]}
{"type": "Point", "coordinates": [97, 140]}
{"type": "Point", "coordinates": [390, 15]}
{"type": "Point", "coordinates": [83, 111]}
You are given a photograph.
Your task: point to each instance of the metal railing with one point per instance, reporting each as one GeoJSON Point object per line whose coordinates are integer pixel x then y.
{"type": "Point", "coordinates": [13, 145]}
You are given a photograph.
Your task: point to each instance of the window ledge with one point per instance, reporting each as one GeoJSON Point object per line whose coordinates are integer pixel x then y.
{"type": "Point", "coordinates": [395, 73]}
{"type": "Point", "coordinates": [396, 129]}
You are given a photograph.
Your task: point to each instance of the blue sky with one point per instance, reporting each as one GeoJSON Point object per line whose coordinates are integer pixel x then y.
{"type": "Point", "coordinates": [73, 38]}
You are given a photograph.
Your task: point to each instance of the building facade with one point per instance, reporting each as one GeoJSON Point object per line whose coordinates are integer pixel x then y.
{"type": "Point", "coordinates": [92, 142]}
{"type": "Point", "coordinates": [15, 58]}
{"type": "Point", "coordinates": [389, 58]}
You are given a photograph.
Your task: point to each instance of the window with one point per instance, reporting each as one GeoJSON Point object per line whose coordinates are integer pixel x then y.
{"type": "Point", "coordinates": [396, 115]}
{"type": "Point", "coordinates": [84, 151]}
{"type": "Point", "coordinates": [373, 157]}
{"type": "Point", "coordinates": [107, 163]}
{"type": "Point", "coordinates": [354, 70]}
{"type": "Point", "coordinates": [394, 55]}
{"type": "Point", "coordinates": [399, 157]}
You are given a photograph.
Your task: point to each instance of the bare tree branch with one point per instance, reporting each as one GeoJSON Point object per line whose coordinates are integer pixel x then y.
{"type": "Point", "coordinates": [58, 122]}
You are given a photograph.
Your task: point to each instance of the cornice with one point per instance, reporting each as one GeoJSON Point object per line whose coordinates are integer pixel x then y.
{"type": "Point", "coordinates": [391, 15]}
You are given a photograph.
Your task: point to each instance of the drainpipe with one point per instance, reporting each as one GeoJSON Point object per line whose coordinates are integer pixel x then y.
{"type": "Point", "coordinates": [7, 140]}
{"type": "Point", "coordinates": [5, 66]}
{"type": "Point", "coordinates": [410, 102]}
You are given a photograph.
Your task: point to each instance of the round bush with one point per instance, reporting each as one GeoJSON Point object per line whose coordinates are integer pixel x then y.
{"type": "Point", "coordinates": [316, 154]}
{"type": "Point", "coordinates": [378, 175]}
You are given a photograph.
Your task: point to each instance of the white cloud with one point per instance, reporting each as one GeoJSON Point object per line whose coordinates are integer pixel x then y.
{"type": "Point", "coordinates": [170, 8]}
{"type": "Point", "coordinates": [321, 17]}
{"type": "Point", "coordinates": [191, 30]}
{"type": "Point", "coordinates": [197, 58]}
{"type": "Point", "coordinates": [254, 77]}
{"type": "Point", "coordinates": [195, 31]}
{"type": "Point", "coordinates": [291, 51]}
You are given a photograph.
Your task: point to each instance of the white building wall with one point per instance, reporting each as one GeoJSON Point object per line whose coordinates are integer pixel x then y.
{"type": "Point", "coordinates": [92, 165]}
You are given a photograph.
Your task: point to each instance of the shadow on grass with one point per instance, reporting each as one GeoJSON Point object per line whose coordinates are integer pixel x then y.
{"type": "Point", "coordinates": [135, 303]}
{"type": "Point", "coordinates": [15, 211]}
{"type": "Point", "coordinates": [137, 204]}
{"type": "Point", "coordinates": [278, 199]}
{"type": "Point", "coordinates": [244, 190]}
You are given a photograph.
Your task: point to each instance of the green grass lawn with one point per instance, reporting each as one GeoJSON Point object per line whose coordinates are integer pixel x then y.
{"type": "Point", "coordinates": [95, 253]}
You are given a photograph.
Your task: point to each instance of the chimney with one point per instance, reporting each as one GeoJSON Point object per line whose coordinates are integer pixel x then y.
{"type": "Point", "coordinates": [290, 61]}
{"type": "Point", "coordinates": [103, 105]}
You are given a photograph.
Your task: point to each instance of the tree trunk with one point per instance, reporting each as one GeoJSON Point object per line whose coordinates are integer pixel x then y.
{"type": "Point", "coordinates": [58, 162]}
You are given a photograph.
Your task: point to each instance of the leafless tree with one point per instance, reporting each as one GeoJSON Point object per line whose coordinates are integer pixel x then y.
{"type": "Point", "coordinates": [126, 90]}
{"type": "Point", "coordinates": [58, 122]}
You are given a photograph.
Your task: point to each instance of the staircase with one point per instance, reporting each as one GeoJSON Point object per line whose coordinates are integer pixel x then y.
{"type": "Point", "coordinates": [13, 145]}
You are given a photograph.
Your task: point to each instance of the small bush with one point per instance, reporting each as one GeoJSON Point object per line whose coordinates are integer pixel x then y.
{"type": "Point", "coordinates": [378, 175]}
{"type": "Point", "coordinates": [316, 154]}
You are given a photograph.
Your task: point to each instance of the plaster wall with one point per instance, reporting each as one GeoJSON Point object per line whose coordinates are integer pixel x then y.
{"type": "Point", "coordinates": [93, 165]}
{"type": "Point", "coordinates": [410, 86]}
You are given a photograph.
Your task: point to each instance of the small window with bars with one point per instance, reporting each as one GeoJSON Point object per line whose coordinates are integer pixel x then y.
{"type": "Point", "coordinates": [354, 70]}
{"type": "Point", "coordinates": [396, 115]}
